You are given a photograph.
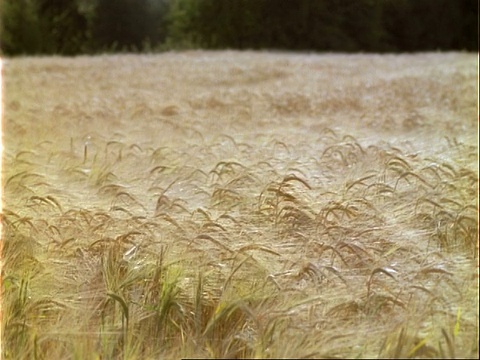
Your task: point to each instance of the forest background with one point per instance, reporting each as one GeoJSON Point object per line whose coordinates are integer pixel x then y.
{"type": "Point", "coordinates": [73, 27]}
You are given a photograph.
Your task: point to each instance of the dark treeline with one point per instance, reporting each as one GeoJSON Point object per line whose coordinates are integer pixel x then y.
{"type": "Point", "coordinates": [70, 27]}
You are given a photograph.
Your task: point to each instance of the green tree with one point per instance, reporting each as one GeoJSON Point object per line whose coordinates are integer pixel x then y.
{"type": "Point", "coordinates": [159, 10]}
{"type": "Point", "coordinates": [423, 25]}
{"type": "Point", "coordinates": [122, 24]}
{"type": "Point", "coordinates": [21, 31]}
{"type": "Point", "coordinates": [361, 21]}
{"type": "Point", "coordinates": [76, 26]}
{"type": "Point", "coordinates": [66, 26]}
{"type": "Point", "coordinates": [181, 24]}
{"type": "Point", "coordinates": [297, 25]}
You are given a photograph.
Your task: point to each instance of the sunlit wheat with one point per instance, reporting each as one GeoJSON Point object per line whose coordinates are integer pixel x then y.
{"type": "Point", "coordinates": [307, 206]}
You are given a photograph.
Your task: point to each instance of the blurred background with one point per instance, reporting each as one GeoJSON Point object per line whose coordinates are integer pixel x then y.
{"type": "Point", "coordinates": [72, 27]}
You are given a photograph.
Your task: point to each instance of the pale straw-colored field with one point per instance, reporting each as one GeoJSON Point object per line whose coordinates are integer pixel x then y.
{"type": "Point", "coordinates": [240, 204]}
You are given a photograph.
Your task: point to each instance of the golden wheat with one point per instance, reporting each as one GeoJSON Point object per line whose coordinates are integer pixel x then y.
{"type": "Point", "coordinates": [240, 205]}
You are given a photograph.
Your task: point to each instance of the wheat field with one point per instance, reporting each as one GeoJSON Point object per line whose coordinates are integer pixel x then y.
{"type": "Point", "coordinates": [240, 205]}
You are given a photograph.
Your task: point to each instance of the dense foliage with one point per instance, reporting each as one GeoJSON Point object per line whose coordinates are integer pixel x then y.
{"type": "Point", "coordinates": [90, 26]}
